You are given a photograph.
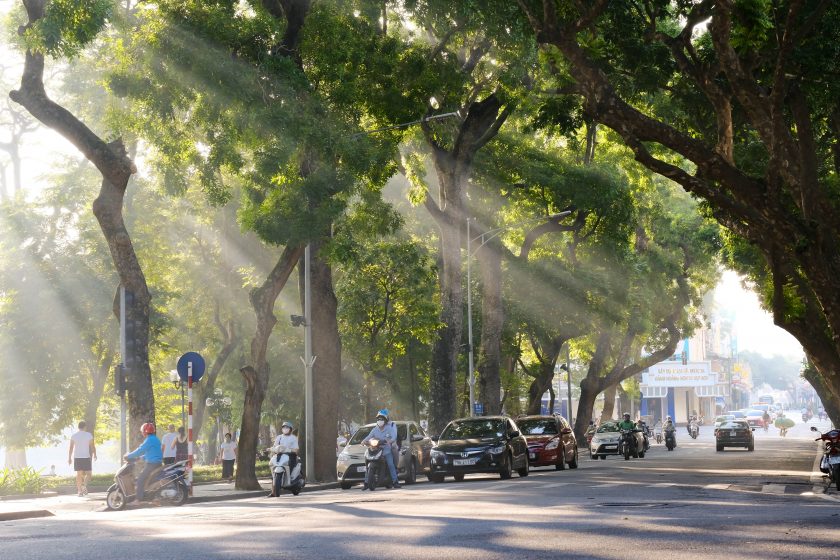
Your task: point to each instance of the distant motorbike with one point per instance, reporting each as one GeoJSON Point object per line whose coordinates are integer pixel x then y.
{"type": "Point", "coordinates": [168, 484]}
{"type": "Point", "coordinates": [284, 477]}
{"type": "Point", "coordinates": [376, 469]}
{"type": "Point", "coordinates": [628, 445]}
{"type": "Point", "coordinates": [658, 434]}
{"type": "Point", "coordinates": [670, 439]}
{"type": "Point", "coordinates": [694, 430]}
{"type": "Point", "coordinates": [830, 463]}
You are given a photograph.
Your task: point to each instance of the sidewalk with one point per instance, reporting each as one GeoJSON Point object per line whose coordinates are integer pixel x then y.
{"type": "Point", "coordinates": [63, 504]}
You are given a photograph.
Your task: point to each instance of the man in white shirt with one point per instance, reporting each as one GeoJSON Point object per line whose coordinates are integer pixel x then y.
{"type": "Point", "coordinates": [82, 451]}
{"type": "Point", "coordinates": [167, 444]}
{"type": "Point", "coordinates": [287, 442]}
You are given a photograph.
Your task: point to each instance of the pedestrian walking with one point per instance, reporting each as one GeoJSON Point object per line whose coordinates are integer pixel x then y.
{"type": "Point", "coordinates": [182, 446]}
{"type": "Point", "coordinates": [81, 454]}
{"type": "Point", "coordinates": [228, 452]}
{"type": "Point", "coordinates": [167, 444]}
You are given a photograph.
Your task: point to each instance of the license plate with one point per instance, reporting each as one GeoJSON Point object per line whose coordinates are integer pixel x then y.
{"type": "Point", "coordinates": [360, 469]}
{"type": "Point", "coordinates": [464, 462]}
{"type": "Point", "coordinates": [733, 434]}
{"type": "Point", "coordinates": [834, 460]}
{"type": "Point", "coordinates": [532, 455]}
{"type": "Point", "coordinates": [615, 446]}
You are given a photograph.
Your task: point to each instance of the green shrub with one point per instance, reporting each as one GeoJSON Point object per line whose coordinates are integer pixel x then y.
{"type": "Point", "coordinates": [23, 481]}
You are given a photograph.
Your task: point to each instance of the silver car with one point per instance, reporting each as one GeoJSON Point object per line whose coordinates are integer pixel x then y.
{"type": "Point", "coordinates": [415, 451]}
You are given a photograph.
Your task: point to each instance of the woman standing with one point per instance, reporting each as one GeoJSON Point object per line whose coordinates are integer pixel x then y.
{"type": "Point", "coordinates": [228, 451]}
{"type": "Point", "coordinates": [181, 446]}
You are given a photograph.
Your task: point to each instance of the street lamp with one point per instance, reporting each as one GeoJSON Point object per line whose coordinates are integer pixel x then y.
{"type": "Point", "coordinates": [484, 239]}
{"type": "Point", "coordinates": [308, 361]}
{"type": "Point", "coordinates": [176, 381]}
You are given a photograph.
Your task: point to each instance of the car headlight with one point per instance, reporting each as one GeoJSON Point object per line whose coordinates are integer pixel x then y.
{"type": "Point", "coordinates": [438, 457]}
{"type": "Point", "coordinates": [552, 444]}
{"type": "Point", "coordinates": [343, 456]}
{"type": "Point", "coordinates": [497, 450]}
{"type": "Point", "coordinates": [596, 440]}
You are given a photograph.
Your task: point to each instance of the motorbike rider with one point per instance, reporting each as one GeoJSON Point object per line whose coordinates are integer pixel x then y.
{"type": "Point", "coordinates": [626, 424]}
{"type": "Point", "coordinates": [151, 452]}
{"type": "Point", "coordinates": [766, 419]}
{"type": "Point", "coordinates": [640, 425]}
{"type": "Point", "coordinates": [670, 428]}
{"type": "Point", "coordinates": [287, 443]}
{"type": "Point", "coordinates": [590, 431]}
{"type": "Point", "coordinates": [385, 432]}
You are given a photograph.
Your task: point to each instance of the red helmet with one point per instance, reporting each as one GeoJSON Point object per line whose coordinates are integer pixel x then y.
{"type": "Point", "coordinates": [147, 428]}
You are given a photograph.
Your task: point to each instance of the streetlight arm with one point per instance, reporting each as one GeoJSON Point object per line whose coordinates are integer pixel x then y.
{"type": "Point", "coordinates": [551, 222]}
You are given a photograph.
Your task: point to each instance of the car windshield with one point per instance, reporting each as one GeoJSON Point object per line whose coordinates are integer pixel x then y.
{"type": "Point", "coordinates": [734, 425]}
{"type": "Point", "coordinates": [608, 427]}
{"type": "Point", "coordinates": [723, 418]}
{"type": "Point", "coordinates": [363, 432]}
{"type": "Point", "coordinates": [474, 429]}
{"type": "Point", "coordinates": [738, 414]}
{"type": "Point", "coordinates": [755, 412]}
{"type": "Point", "coordinates": [537, 426]}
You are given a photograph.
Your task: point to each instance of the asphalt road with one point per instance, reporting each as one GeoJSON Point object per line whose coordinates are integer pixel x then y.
{"type": "Point", "coordinates": [687, 504]}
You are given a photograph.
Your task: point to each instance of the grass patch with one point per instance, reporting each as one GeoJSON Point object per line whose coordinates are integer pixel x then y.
{"type": "Point", "coordinates": [24, 481]}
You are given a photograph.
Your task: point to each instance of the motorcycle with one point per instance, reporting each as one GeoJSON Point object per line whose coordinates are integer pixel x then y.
{"type": "Point", "coordinates": [168, 484]}
{"type": "Point", "coordinates": [658, 434]}
{"type": "Point", "coordinates": [376, 469]}
{"type": "Point", "coordinates": [670, 439]}
{"type": "Point", "coordinates": [693, 430]}
{"type": "Point", "coordinates": [283, 475]}
{"type": "Point", "coordinates": [628, 445]}
{"type": "Point", "coordinates": [830, 462]}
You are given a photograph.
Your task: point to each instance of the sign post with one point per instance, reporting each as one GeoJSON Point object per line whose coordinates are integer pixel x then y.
{"type": "Point", "coordinates": [190, 368]}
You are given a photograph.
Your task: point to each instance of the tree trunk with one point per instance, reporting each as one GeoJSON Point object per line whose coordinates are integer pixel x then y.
{"type": "Point", "coordinates": [231, 338]}
{"type": "Point", "coordinates": [256, 374]}
{"type": "Point", "coordinates": [541, 384]}
{"type": "Point", "coordinates": [326, 372]}
{"type": "Point", "coordinates": [829, 401]}
{"type": "Point", "coordinates": [98, 378]}
{"type": "Point", "coordinates": [609, 403]}
{"type": "Point", "coordinates": [586, 409]}
{"type": "Point", "coordinates": [492, 325]}
{"type": "Point", "coordinates": [442, 380]}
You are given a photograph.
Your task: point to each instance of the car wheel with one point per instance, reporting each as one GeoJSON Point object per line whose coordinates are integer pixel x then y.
{"type": "Point", "coordinates": [719, 447]}
{"type": "Point", "coordinates": [411, 472]}
{"type": "Point", "coordinates": [604, 457]}
{"type": "Point", "coordinates": [573, 464]}
{"type": "Point", "coordinates": [436, 478]}
{"type": "Point", "coordinates": [507, 467]}
{"type": "Point", "coordinates": [837, 476]}
{"type": "Point", "coordinates": [641, 454]}
{"type": "Point", "coordinates": [346, 485]}
{"type": "Point", "coordinates": [561, 461]}
{"type": "Point", "coordinates": [593, 456]}
{"type": "Point", "coordinates": [751, 447]}
{"type": "Point", "coordinates": [526, 470]}
{"type": "Point", "coordinates": [459, 477]}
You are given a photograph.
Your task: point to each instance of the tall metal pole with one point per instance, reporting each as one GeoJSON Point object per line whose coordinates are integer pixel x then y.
{"type": "Point", "coordinates": [308, 360]}
{"type": "Point", "coordinates": [469, 321]}
{"type": "Point", "coordinates": [569, 386]}
{"type": "Point", "coordinates": [123, 440]}
{"type": "Point", "coordinates": [190, 429]}
{"type": "Point", "coordinates": [183, 414]}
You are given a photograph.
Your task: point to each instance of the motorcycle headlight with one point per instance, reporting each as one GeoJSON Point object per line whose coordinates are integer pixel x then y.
{"type": "Point", "coordinates": [497, 450]}
{"type": "Point", "coordinates": [552, 444]}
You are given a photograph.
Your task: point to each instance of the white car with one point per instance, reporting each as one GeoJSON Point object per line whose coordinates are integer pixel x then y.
{"type": "Point", "coordinates": [724, 418]}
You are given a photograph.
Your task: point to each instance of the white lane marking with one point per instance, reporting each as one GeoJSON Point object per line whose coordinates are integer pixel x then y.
{"type": "Point", "coordinates": [773, 489]}
{"type": "Point", "coordinates": [716, 487]}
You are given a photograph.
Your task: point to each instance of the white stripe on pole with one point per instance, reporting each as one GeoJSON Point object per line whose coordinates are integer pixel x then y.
{"type": "Point", "coordinates": [190, 427]}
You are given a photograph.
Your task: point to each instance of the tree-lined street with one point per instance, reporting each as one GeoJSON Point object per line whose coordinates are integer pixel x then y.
{"type": "Point", "coordinates": [690, 503]}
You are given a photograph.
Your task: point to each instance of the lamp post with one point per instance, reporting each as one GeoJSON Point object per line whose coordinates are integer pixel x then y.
{"type": "Point", "coordinates": [176, 381]}
{"type": "Point", "coordinates": [308, 361]}
{"type": "Point", "coordinates": [217, 404]}
{"type": "Point", "coordinates": [484, 238]}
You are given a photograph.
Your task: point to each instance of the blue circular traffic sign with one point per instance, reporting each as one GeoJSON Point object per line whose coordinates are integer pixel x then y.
{"type": "Point", "coordinates": [198, 366]}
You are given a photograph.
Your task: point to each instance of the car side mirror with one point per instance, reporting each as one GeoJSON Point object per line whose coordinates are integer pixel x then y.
{"type": "Point", "coordinates": [514, 434]}
{"type": "Point", "coordinates": [753, 429]}
{"type": "Point", "coordinates": [435, 438]}
{"type": "Point", "coordinates": [566, 431]}
{"type": "Point", "coordinates": [417, 437]}
{"type": "Point", "coordinates": [814, 429]}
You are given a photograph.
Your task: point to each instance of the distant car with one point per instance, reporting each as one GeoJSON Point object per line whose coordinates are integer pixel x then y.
{"type": "Point", "coordinates": [605, 441]}
{"type": "Point", "coordinates": [739, 414]}
{"type": "Point", "coordinates": [755, 418]}
{"type": "Point", "coordinates": [551, 441]}
{"type": "Point", "coordinates": [734, 433]}
{"type": "Point", "coordinates": [724, 418]}
{"type": "Point", "coordinates": [483, 444]}
{"type": "Point", "coordinates": [415, 454]}
{"type": "Point", "coordinates": [760, 406]}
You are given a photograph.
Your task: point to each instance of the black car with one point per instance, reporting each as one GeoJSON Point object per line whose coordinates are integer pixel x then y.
{"type": "Point", "coordinates": [485, 444]}
{"type": "Point", "coordinates": [734, 433]}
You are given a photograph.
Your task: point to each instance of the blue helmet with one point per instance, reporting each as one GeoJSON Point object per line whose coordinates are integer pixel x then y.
{"type": "Point", "coordinates": [383, 413]}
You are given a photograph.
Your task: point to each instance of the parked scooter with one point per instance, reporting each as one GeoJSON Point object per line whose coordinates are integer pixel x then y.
{"type": "Point", "coordinates": [167, 485]}
{"type": "Point", "coordinates": [830, 462]}
{"type": "Point", "coordinates": [376, 469]}
{"type": "Point", "coordinates": [284, 476]}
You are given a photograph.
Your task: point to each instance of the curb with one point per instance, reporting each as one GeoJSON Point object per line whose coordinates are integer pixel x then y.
{"type": "Point", "coordinates": [28, 496]}
{"type": "Point", "coordinates": [257, 494]}
{"type": "Point", "coordinates": [15, 515]}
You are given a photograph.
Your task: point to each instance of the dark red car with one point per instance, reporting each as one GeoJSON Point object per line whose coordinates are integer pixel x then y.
{"type": "Point", "coordinates": [551, 441]}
